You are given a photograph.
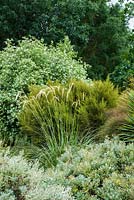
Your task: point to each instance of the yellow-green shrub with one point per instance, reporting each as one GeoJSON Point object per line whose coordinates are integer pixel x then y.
{"type": "Point", "coordinates": [102, 97]}
{"type": "Point", "coordinates": [77, 103]}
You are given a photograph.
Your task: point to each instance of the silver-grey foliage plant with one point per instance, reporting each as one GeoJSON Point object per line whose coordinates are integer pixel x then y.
{"type": "Point", "coordinates": [22, 180]}
{"type": "Point", "coordinates": [97, 171]}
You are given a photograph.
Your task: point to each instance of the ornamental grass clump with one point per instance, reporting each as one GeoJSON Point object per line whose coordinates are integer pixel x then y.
{"type": "Point", "coordinates": [79, 101]}
{"type": "Point", "coordinates": [52, 117]}
{"type": "Point", "coordinates": [48, 113]}
{"type": "Point", "coordinates": [49, 121]}
{"type": "Point", "coordinates": [127, 128]}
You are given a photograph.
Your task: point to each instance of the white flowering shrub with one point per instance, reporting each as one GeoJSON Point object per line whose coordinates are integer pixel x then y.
{"type": "Point", "coordinates": [25, 181]}
{"type": "Point", "coordinates": [99, 171]}
{"type": "Point", "coordinates": [32, 63]}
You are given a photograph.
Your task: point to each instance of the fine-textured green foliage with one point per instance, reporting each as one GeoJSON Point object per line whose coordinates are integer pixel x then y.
{"type": "Point", "coordinates": [77, 106]}
{"type": "Point", "coordinates": [25, 181]}
{"type": "Point", "coordinates": [99, 171]}
{"type": "Point", "coordinates": [120, 120]}
{"type": "Point", "coordinates": [49, 121]}
{"type": "Point", "coordinates": [32, 63]}
{"type": "Point", "coordinates": [98, 31]}
{"type": "Point", "coordinates": [128, 126]}
{"type": "Point", "coordinates": [115, 118]}
{"type": "Point", "coordinates": [102, 97]}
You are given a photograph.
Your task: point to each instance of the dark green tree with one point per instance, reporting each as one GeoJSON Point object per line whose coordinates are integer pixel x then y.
{"type": "Point", "coordinates": [123, 74]}
{"type": "Point", "coordinates": [97, 30]}
{"type": "Point", "coordinates": [17, 18]}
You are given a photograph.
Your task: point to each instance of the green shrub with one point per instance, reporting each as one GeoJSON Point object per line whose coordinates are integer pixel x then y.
{"type": "Point", "coordinates": [99, 171]}
{"type": "Point", "coordinates": [22, 180]}
{"type": "Point", "coordinates": [77, 106]}
{"type": "Point", "coordinates": [32, 63]}
{"type": "Point", "coordinates": [102, 97]}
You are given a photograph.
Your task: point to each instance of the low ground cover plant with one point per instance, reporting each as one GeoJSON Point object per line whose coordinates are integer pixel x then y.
{"type": "Point", "coordinates": [25, 181]}
{"type": "Point", "coordinates": [98, 171]}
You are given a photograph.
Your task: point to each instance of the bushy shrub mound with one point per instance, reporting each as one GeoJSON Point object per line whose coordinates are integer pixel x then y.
{"type": "Point", "coordinates": [102, 97]}
{"type": "Point", "coordinates": [25, 181]}
{"type": "Point", "coordinates": [97, 171]}
{"type": "Point", "coordinates": [100, 171]}
{"type": "Point", "coordinates": [55, 116]}
{"type": "Point", "coordinates": [32, 63]}
{"type": "Point", "coordinates": [77, 101]}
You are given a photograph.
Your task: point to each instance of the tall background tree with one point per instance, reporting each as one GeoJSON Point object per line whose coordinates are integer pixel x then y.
{"type": "Point", "coordinates": [98, 30]}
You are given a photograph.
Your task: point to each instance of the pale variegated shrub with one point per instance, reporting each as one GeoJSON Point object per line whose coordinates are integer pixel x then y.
{"type": "Point", "coordinates": [102, 171]}
{"type": "Point", "coordinates": [31, 62]}
{"type": "Point", "coordinates": [25, 181]}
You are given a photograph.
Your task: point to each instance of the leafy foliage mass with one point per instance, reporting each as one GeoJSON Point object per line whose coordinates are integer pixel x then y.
{"type": "Point", "coordinates": [123, 74]}
{"type": "Point", "coordinates": [98, 171]}
{"type": "Point", "coordinates": [55, 123]}
{"type": "Point", "coordinates": [32, 63]}
{"type": "Point", "coordinates": [77, 106]}
{"type": "Point", "coordinates": [98, 31]}
{"type": "Point", "coordinates": [25, 181]}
